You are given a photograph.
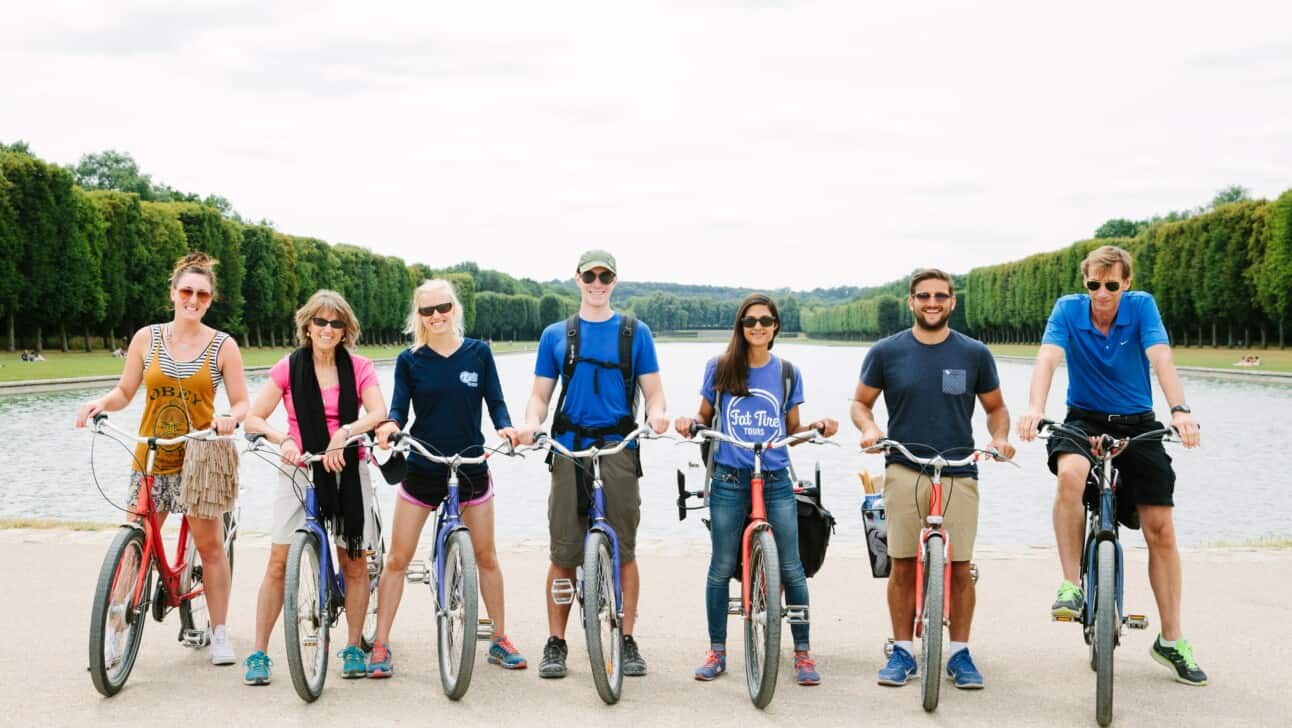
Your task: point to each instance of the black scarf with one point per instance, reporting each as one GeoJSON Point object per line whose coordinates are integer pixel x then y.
{"type": "Point", "coordinates": [340, 504]}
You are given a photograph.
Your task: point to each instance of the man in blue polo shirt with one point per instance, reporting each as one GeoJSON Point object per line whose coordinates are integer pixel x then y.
{"type": "Point", "coordinates": [1110, 337]}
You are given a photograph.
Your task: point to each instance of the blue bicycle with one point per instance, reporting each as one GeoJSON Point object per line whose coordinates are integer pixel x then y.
{"type": "Point", "coordinates": [314, 590]}
{"type": "Point", "coordinates": [1102, 616]}
{"type": "Point", "coordinates": [599, 589]}
{"type": "Point", "coordinates": [453, 579]}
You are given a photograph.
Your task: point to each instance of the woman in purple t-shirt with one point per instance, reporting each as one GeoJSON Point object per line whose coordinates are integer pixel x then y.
{"type": "Point", "coordinates": [745, 388]}
{"type": "Point", "coordinates": [322, 386]}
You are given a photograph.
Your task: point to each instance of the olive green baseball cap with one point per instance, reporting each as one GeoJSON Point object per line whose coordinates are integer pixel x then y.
{"type": "Point", "coordinates": [597, 259]}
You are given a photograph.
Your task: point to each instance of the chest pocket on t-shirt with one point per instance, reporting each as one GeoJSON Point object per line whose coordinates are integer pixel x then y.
{"type": "Point", "coordinates": [953, 381]}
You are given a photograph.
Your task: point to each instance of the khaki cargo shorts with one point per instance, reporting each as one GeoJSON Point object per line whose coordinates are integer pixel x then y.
{"type": "Point", "coordinates": [906, 498]}
{"type": "Point", "coordinates": [567, 526]}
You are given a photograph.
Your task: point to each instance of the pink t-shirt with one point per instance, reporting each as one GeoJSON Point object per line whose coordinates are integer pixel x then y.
{"type": "Point", "coordinates": [365, 375]}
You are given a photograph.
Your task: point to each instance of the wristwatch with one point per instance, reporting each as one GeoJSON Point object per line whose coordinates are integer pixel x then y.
{"type": "Point", "coordinates": [349, 434]}
{"type": "Point", "coordinates": [1182, 407]}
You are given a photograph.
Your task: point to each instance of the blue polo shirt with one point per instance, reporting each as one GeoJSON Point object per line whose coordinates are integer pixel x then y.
{"type": "Point", "coordinates": [1107, 373]}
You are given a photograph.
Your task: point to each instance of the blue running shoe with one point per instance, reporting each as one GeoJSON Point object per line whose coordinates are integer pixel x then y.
{"type": "Point", "coordinates": [805, 670]}
{"type": "Point", "coordinates": [354, 663]}
{"type": "Point", "coordinates": [715, 664]}
{"type": "Point", "coordinates": [900, 668]}
{"type": "Point", "coordinates": [961, 669]}
{"type": "Point", "coordinates": [380, 662]}
{"type": "Point", "coordinates": [503, 652]}
{"type": "Point", "coordinates": [257, 669]}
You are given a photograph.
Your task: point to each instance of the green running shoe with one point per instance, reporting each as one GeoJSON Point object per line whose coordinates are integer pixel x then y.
{"type": "Point", "coordinates": [1180, 660]}
{"type": "Point", "coordinates": [1069, 603]}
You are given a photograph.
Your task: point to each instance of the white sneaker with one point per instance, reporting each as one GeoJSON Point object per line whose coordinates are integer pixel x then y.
{"type": "Point", "coordinates": [221, 648]}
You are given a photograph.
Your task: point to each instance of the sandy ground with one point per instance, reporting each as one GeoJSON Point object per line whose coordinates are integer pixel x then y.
{"type": "Point", "coordinates": [1236, 612]}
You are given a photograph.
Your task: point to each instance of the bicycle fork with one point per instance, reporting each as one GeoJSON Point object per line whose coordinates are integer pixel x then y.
{"type": "Point", "coordinates": [934, 527]}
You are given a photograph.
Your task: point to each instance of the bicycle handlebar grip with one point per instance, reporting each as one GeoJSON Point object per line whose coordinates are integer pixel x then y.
{"type": "Point", "coordinates": [697, 428]}
{"type": "Point", "coordinates": [396, 436]}
{"type": "Point", "coordinates": [100, 418]}
{"type": "Point", "coordinates": [1044, 423]}
{"type": "Point", "coordinates": [253, 437]}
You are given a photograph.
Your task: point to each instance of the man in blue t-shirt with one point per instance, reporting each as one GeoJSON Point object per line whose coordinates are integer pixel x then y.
{"type": "Point", "coordinates": [1111, 336]}
{"type": "Point", "coordinates": [930, 376]}
{"type": "Point", "coordinates": [594, 407]}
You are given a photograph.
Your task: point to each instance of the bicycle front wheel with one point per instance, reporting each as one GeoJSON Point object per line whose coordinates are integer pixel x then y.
{"type": "Point", "coordinates": [763, 620]}
{"type": "Point", "coordinates": [117, 618]}
{"type": "Point", "coordinates": [601, 620]}
{"type": "Point", "coordinates": [931, 622]}
{"type": "Point", "coordinates": [455, 620]}
{"type": "Point", "coordinates": [305, 622]}
{"type": "Point", "coordinates": [1105, 630]}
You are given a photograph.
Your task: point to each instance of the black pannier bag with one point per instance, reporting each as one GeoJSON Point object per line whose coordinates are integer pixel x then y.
{"type": "Point", "coordinates": [815, 525]}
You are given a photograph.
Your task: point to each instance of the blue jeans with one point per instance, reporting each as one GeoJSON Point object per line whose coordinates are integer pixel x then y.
{"type": "Point", "coordinates": [729, 505]}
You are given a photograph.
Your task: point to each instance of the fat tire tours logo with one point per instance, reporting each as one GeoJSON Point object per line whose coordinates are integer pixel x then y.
{"type": "Point", "coordinates": [471, 379]}
{"type": "Point", "coordinates": [764, 425]}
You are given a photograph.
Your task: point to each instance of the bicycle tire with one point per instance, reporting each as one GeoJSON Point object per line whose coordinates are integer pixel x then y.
{"type": "Point", "coordinates": [305, 626]}
{"type": "Point", "coordinates": [931, 627]}
{"type": "Point", "coordinates": [194, 613]}
{"type": "Point", "coordinates": [763, 622]}
{"type": "Point", "coordinates": [118, 575]}
{"type": "Point", "coordinates": [376, 564]}
{"type": "Point", "coordinates": [455, 622]}
{"type": "Point", "coordinates": [602, 623]}
{"type": "Point", "coordinates": [1105, 640]}
{"type": "Point", "coordinates": [230, 535]}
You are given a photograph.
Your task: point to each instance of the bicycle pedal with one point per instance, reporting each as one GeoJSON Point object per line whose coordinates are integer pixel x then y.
{"type": "Point", "coordinates": [484, 630]}
{"type": "Point", "coordinates": [374, 569]}
{"type": "Point", "coordinates": [973, 572]}
{"type": "Point", "coordinates": [736, 606]}
{"type": "Point", "coordinates": [1062, 618]}
{"type": "Point", "coordinates": [888, 647]}
{"type": "Point", "coordinates": [563, 591]}
{"type": "Point", "coordinates": [796, 613]}
{"type": "Point", "coordinates": [1136, 621]}
{"type": "Point", "coordinates": [195, 638]}
{"type": "Point", "coordinates": [417, 573]}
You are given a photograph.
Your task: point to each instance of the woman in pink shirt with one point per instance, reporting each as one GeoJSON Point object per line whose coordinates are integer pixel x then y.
{"type": "Point", "coordinates": [322, 386]}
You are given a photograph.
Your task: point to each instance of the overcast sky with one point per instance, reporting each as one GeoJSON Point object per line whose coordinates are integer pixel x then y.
{"type": "Point", "coordinates": [738, 143]}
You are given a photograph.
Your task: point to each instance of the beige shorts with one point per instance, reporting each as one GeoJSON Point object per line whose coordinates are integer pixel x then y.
{"type": "Point", "coordinates": [567, 526]}
{"type": "Point", "coordinates": [908, 503]}
{"type": "Point", "coordinates": [289, 509]}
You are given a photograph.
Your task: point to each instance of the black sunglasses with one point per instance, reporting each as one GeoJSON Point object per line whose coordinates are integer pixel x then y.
{"type": "Point", "coordinates": [749, 321]}
{"type": "Point", "coordinates": [606, 277]}
{"type": "Point", "coordinates": [320, 322]}
{"type": "Point", "coordinates": [442, 308]}
{"type": "Point", "coordinates": [925, 295]}
{"type": "Point", "coordinates": [1112, 286]}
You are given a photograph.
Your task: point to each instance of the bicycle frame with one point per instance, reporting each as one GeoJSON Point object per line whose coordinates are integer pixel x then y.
{"type": "Point", "coordinates": [1103, 529]}
{"type": "Point", "coordinates": [597, 522]}
{"type": "Point", "coordinates": [934, 521]}
{"type": "Point", "coordinates": [155, 547]}
{"type": "Point", "coordinates": [447, 522]}
{"type": "Point", "coordinates": [328, 573]}
{"type": "Point", "coordinates": [757, 521]}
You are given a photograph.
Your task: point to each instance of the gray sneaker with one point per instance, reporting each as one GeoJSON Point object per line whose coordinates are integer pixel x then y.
{"type": "Point", "coordinates": [553, 663]}
{"type": "Point", "coordinates": [634, 665]}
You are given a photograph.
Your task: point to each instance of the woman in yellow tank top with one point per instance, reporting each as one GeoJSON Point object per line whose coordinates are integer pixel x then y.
{"type": "Point", "coordinates": [181, 364]}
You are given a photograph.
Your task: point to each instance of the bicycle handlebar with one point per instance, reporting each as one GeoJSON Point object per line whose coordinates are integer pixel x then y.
{"type": "Point", "coordinates": [100, 424]}
{"type": "Point", "coordinates": [812, 436]}
{"type": "Point", "coordinates": [258, 442]}
{"type": "Point", "coordinates": [402, 442]}
{"type": "Point", "coordinates": [542, 439]}
{"type": "Point", "coordinates": [1047, 429]}
{"type": "Point", "coordinates": [937, 461]}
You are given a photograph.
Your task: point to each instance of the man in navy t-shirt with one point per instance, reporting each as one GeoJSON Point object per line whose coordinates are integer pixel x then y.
{"type": "Point", "coordinates": [930, 376]}
{"type": "Point", "coordinates": [594, 405]}
{"type": "Point", "coordinates": [1111, 336]}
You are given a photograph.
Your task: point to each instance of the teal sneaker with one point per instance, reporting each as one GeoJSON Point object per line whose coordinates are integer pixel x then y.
{"type": "Point", "coordinates": [354, 664]}
{"type": "Point", "coordinates": [503, 652]}
{"type": "Point", "coordinates": [1069, 603]}
{"type": "Point", "coordinates": [380, 662]}
{"type": "Point", "coordinates": [715, 664]}
{"type": "Point", "coordinates": [1180, 660]}
{"type": "Point", "coordinates": [257, 664]}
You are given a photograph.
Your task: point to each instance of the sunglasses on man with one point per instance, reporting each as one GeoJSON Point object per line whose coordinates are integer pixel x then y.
{"type": "Point", "coordinates": [1112, 286]}
{"type": "Point", "coordinates": [439, 307]}
{"type": "Point", "coordinates": [925, 295]}
{"type": "Point", "coordinates": [202, 295]}
{"type": "Point", "coordinates": [321, 322]}
{"type": "Point", "coordinates": [765, 321]}
{"type": "Point", "coordinates": [605, 276]}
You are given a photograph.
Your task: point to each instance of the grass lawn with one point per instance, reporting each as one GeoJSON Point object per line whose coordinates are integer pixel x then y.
{"type": "Point", "coordinates": [1272, 360]}
{"type": "Point", "coordinates": [80, 364]}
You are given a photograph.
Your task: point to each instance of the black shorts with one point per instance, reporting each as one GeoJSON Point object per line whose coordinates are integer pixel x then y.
{"type": "Point", "coordinates": [432, 489]}
{"type": "Point", "coordinates": [1145, 473]}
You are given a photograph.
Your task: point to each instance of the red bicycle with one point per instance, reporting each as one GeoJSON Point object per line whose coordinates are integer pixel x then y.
{"type": "Point", "coordinates": [932, 577]}
{"type": "Point", "coordinates": [760, 571]}
{"type": "Point", "coordinates": [124, 593]}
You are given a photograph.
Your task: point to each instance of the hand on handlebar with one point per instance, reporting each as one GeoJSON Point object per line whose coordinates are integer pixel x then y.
{"type": "Point", "coordinates": [383, 433]}
{"type": "Point", "coordinates": [870, 436]}
{"type": "Point", "coordinates": [685, 426]}
{"type": "Point", "coordinates": [1187, 428]}
{"type": "Point", "coordinates": [1029, 424]}
{"type": "Point", "coordinates": [1003, 447]}
{"type": "Point", "coordinates": [88, 410]}
{"type": "Point", "coordinates": [658, 423]}
{"type": "Point", "coordinates": [826, 427]}
{"type": "Point", "coordinates": [289, 453]}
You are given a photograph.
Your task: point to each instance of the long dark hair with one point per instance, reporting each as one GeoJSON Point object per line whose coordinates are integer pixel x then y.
{"type": "Point", "coordinates": [732, 374]}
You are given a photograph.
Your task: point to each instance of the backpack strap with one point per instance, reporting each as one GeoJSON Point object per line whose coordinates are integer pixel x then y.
{"type": "Point", "coordinates": [787, 385]}
{"type": "Point", "coordinates": [561, 422]}
{"type": "Point", "coordinates": [627, 333]}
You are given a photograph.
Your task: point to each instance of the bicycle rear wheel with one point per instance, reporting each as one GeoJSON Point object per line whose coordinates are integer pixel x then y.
{"type": "Point", "coordinates": [230, 535]}
{"type": "Point", "coordinates": [305, 623]}
{"type": "Point", "coordinates": [117, 618]}
{"type": "Point", "coordinates": [763, 622]}
{"type": "Point", "coordinates": [601, 620]}
{"type": "Point", "coordinates": [193, 614]}
{"type": "Point", "coordinates": [1105, 639]}
{"type": "Point", "coordinates": [455, 621]}
{"type": "Point", "coordinates": [931, 622]}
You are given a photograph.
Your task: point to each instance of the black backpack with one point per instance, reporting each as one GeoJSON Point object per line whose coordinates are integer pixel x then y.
{"type": "Point", "coordinates": [561, 423]}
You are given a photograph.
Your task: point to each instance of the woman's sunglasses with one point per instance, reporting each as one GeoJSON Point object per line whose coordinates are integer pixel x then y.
{"type": "Point", "coordinates": [1112, 286]}
{"type": "Point", "coordinates": [441, 307]}
{"type": "Point", "coordinates": [320, 322]}
{"type": "Point", "coordinates": [749, 321]}
{"type": "Point", "coordinates": [187, 293]}
{"type": "Point", "coordinates": [606, 277]}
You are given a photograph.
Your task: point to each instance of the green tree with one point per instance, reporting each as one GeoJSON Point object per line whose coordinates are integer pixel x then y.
{"type": "Point", "coordinates": [260, 287]}
{"type": "Point", "coordinates": [112, 170]}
